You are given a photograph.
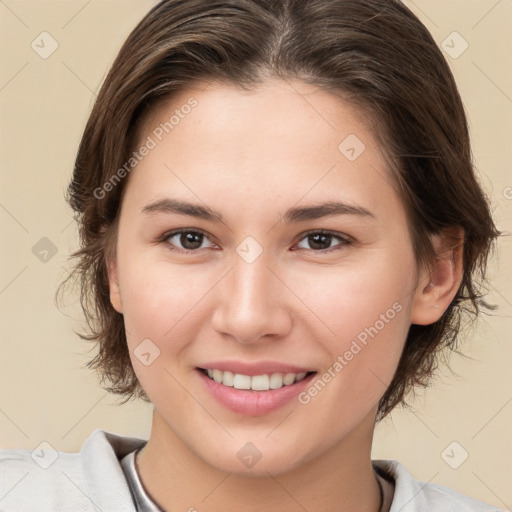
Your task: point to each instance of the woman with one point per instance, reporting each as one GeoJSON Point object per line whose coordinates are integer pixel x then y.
{"type": "Point", "coordinates": [280, 228]}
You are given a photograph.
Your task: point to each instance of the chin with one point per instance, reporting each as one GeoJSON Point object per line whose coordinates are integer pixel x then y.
{"type": "Point", "coordinates": [267, 464]}
{"type": "Point", "coordinates": [254, 459]}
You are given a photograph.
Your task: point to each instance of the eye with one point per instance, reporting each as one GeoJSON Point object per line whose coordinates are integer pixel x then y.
{"type": "Point", "coordinates": [186, 240]}
{"type": "Point", "coordinates": [189, 241]}
{"type": "Point", "coordinates": [321, 241]}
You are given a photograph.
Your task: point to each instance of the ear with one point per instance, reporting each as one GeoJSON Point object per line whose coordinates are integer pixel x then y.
{"type": "Point", "coordinates": [438, 284]}
{"type": "Point", "coordinates": [113, 282]}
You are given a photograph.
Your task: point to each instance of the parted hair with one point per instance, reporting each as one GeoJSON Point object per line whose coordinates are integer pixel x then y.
{"type": "Point", "coordinates": [375, 54]}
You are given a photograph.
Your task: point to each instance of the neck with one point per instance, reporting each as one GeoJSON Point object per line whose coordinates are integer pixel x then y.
{"type": "Point", "coordinates": [339, 480]}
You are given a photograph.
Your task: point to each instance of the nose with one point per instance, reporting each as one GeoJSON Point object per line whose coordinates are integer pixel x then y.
{"type": "Point", "coordinates": [253, 303]}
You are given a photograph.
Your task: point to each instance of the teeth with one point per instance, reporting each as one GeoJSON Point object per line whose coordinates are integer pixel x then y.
{"type": "Point", "coordinates": [260, 382]}
{"type": "Point", "coordinates": [228, 379]}
{"type": "Point", "coordinates": [241, 381]}
{"type": "Point", "coordinates": [276, 381]}
{"type": "Point", "coordinates": [288, 379]}
{"type": "Point", "coordinates": [257, 382]}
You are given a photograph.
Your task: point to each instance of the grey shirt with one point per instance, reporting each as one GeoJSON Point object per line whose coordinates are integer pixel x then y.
{"type": "Point", "coordinates": [94, 479]}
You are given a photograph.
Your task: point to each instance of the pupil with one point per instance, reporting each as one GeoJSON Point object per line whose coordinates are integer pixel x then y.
{"type": "Point", "coordinates": [320, 241]}
{"type": "Point", "coordinates": [191, 240]}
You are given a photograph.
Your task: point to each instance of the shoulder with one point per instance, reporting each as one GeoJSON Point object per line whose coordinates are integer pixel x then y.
{"type": "Point", "coordinates": [413, 495]}
{"type": "Point", "coordinates": [45, 479]}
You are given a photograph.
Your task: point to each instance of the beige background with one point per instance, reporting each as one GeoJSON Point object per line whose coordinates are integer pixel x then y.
{"type": "Point", "coordinates": [45, 395]}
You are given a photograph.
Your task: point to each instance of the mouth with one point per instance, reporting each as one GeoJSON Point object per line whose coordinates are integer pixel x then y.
{"type": "Point", "coordinates": [263, 382]}
{"type": "Point", "coordinates": [254, 389]}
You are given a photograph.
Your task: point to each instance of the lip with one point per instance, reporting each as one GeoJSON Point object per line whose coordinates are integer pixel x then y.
{"type": "Point", "coordinates": [256, 368]}
{"type": "Point", "coordinates": [250, 402]}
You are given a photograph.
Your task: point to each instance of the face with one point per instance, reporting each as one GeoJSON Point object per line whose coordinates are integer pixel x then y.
{"type": "Point", "coordinates": [261, 237]}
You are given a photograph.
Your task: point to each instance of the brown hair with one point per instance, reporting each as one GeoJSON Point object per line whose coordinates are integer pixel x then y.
{"type": "Point", "coordinates": [375, 54]}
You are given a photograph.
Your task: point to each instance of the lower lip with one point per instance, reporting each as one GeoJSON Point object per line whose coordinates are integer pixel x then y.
{"type": "Point", "coordinates": [250, 402]}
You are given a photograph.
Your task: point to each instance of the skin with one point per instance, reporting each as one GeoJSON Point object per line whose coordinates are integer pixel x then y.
{"type": "Point", "coordinates": [251, 155]}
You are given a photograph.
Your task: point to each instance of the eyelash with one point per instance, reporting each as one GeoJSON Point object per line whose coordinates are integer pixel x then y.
{"type": "Point", "coordinates": [344, 240]}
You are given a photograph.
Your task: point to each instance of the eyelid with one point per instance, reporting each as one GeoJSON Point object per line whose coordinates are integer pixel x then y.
{"type": "Point", "coordinates": [168, 234]}
{"type": "Point", "coordinates": [344, 239]}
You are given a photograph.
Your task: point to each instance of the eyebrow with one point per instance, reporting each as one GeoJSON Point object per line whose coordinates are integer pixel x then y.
{"type": "Point", "coordinates": [295, 214]}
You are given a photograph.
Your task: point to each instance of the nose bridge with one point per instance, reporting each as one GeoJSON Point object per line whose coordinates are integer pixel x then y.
{"type": "Point", "coordinates": [251, 277]}
{"type": "Point", "coordinates": [251, 282]}
{"type": "Point", "coordinates": [250, 285]}
{"type": "Point", "coordinates": [251, 305]}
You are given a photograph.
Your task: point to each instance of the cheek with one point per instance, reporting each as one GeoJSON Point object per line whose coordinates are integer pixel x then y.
{"type": "Point", "coordinates": [162, 309]}
{"type": "Point", "coordinates": [157, 296]}
{"type": "Point", "coordinates": [364, 313]}
{"type": "Point", "coordinates": [355, 296]}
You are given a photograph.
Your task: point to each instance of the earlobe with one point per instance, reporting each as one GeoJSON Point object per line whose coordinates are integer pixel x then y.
{"type": "Point", "coordinates": [438, 285]}
{"type": "Point", "coordinates": [113, 281]}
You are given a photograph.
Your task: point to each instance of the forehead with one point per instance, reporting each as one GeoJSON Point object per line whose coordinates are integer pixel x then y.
{"type": "Point", "coordinates": [281, 140]}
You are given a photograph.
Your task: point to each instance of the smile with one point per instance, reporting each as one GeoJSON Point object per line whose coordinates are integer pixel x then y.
{"type": "Point", "coordinates": [256, 382]}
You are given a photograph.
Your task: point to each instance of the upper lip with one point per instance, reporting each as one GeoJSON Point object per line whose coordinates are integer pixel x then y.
{"type": "Point", "coordinates": [255, 368]}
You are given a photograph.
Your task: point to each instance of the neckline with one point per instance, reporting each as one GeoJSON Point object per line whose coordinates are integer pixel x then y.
{"type": "Point", "coordinates": [386, 496]}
